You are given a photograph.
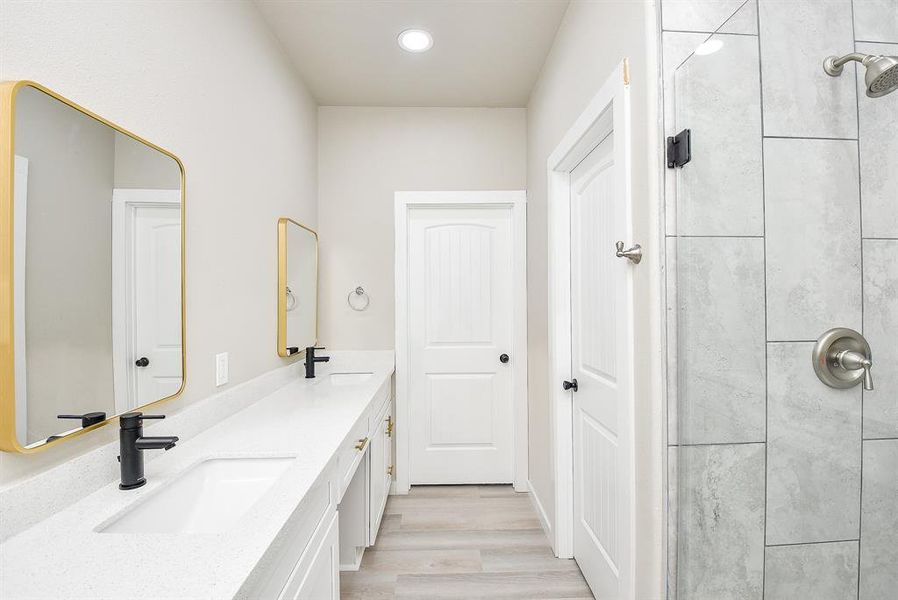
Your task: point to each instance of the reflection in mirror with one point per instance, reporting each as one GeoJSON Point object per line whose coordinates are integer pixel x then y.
{"type": "Point", "coordinates": [97, 311]}
{"type": "Point", "coordinates": [297, 287]}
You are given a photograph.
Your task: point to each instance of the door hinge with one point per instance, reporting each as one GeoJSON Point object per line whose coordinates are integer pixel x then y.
{"type": "Point", "coordinates": [679, 149]}
{"type": "Point", "coordinates": [389, 426]}
{"type": "Point", "coordinates": [390, 470]}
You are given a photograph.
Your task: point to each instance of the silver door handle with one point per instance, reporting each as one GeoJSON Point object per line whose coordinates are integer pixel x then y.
{"type": "Point", "coordinates": [633, 254]}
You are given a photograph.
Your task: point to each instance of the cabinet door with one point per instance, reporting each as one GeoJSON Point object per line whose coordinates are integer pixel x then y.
{"type": "Point", "coordinates": [319, 577]}
{"type": "Point", "coordinates": [381, 476]}
{"type": "Point", "coordinates": [376, 482]}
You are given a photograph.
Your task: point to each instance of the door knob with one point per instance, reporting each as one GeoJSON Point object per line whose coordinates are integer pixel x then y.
{"type": "Point", "coordinates": [570, 385]}
{"type": "Point", "coordinates": [633, 254]}
{"type": "Point", "coordinates": [503, 358]}
{"type": "Point", "coordinates": [143, 361]}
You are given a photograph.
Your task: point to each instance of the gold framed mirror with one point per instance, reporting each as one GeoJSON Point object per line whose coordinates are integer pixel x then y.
{"type": "Point", "coordinates": [92, 240]}
{"type": "Point", "coordinates": [297, 288]}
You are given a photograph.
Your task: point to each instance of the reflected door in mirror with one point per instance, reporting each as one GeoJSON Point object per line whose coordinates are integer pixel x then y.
{"type": "Point", "coordinates": [96, 284]}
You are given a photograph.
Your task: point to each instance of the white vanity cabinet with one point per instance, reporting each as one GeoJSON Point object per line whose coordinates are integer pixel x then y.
{"type": "Point", "coordinates": [317, 574]}
{"type": "Point", "coordinates": [337, 519]}
{"type": "Point", "coordinates": [380, 469]}
{"type": "Point", "coordinates": [365, 495]}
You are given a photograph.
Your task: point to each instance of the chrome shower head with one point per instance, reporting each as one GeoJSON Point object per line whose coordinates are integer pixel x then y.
{"type": "Point", "coordinates": [881, 77]}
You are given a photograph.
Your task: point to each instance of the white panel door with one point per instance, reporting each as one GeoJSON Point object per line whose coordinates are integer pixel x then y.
{"type": "Point", "coordinates": [601, 330]}
{"type": "Point", "coordinates": [157, 301]}
{"type": "Point", "coordinates": [460, 315]}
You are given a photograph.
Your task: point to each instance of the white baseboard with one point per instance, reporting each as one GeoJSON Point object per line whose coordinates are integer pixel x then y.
{"type": "Point", "coordinates": [541, 513]}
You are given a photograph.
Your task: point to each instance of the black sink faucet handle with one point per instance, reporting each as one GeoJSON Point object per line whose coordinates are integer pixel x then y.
{"type": "Point", "coordinates": [87, 419]}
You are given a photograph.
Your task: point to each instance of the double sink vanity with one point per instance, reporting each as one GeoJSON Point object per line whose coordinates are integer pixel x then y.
{"type": "Point", "coordinates": [264, 490]}
{"type": "Point", "coordinates": [269, 502]}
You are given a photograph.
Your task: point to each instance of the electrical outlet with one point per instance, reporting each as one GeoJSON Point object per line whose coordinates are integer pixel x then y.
{"type": "Point", "coordinates": [221, 369]}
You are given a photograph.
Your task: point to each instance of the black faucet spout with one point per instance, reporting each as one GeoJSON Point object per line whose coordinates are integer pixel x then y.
{"type": "Point", "coordinates": [311, 359]}
{"type": "Point", "coordinates": [132, 444]}
{"type": "Point", "coordinates": [156, 443]}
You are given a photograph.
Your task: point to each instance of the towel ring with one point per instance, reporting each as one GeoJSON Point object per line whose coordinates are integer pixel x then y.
{"type": "Point", "coordinates": [291, 299]}
{"type": "Point", "coordinates": [355, 295]}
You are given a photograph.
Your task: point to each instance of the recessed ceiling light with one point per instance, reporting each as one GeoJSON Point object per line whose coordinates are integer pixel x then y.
{"type": "Point", "coordinates": [415, 40]}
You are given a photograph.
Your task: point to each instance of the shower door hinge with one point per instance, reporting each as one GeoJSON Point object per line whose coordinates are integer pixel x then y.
{"type": "Point", "coordinates": [679, 149]}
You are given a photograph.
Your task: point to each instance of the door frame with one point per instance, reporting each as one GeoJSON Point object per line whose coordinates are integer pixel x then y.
{"type": "Point", "coordinates": [517, 202]}
{"type": "Point", "coordinates": [608, 112]}
{"type": "Point", "coordinates": [124, 201]}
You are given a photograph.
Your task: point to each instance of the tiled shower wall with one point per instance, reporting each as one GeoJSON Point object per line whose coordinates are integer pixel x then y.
{"type": "Point", "coordinates": [784, 225]}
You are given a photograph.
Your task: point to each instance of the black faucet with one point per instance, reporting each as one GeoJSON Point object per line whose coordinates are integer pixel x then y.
{"type": "Point", "coordinates": [311, 359]}
{"type": "Point", "coordinates": [133, 443]}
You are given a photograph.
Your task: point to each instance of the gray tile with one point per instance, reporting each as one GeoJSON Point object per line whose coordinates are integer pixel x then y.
{"type": "Point", "coordinates": [813, 234]}
{"type": "Point", "coordinates": [879, 531]}
{"type": "Point", "coordinates": [818, 571]}
{"type": "Point", "coordinates": [881, 331]}
{"type": "Point", "coordinates": [800, 99]}
{"type": "Point", "coordinates": [879, 148]}
{"type": "Point", "coordinates": [813, 452]}
{"type": "Point", "coordinates": [744, 20]}
{"type": "Point", "coordinates": [721, 382]}
{"type": "Point", "coordinates": [704, 15]}
{"type": "Point", "coordinates": [672, 522]}
{"type": "Point", "coordinates": [876, 20]}
{"type": "Point", "coordinates": [672, 312]}
{"type": "Point", "coordinates": [718, 99]}
{"type": "Point", "coordinates": [721, 522]}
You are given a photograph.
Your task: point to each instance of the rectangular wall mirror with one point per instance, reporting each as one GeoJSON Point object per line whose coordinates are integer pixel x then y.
{"type": "Point", "coordinates": [297, 287]}
{"type": "Point", "coordinates": [92, 284]}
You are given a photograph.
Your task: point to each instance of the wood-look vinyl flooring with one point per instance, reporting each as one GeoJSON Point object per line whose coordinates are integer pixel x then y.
{"type": "Point", "coordinates": [462, 542]}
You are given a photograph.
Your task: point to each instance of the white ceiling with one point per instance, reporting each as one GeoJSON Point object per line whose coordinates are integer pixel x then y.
{"type": "Point", "coordinates": [485, 52]}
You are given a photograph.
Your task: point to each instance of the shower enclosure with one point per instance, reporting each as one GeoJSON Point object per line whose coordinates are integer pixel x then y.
{"type": "Point", "coordinates": [782, 226]}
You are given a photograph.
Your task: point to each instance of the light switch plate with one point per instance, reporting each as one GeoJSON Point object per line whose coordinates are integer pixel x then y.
{"type": "Point", "coordinates": [221, 369]}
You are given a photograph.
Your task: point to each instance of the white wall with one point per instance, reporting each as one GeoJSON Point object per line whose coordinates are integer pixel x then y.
{"type": "Point", "coordinates": [367, 154]}
{"type": "Point", "coordinates": [593, 38]}
{"type": "Point", "coordinates": [206, 81]}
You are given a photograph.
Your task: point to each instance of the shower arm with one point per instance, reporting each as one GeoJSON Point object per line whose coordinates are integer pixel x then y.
{"type": "Point", "coordinates": [834, 64]}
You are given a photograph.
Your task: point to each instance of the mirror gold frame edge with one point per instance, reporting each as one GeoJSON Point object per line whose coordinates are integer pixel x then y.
{"type": "Point", "coordinates": [8, 440]}
{"type": "Point", "coordinates": [282, 287]}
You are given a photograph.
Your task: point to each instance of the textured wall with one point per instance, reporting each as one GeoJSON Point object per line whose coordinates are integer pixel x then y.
{"type": "Point", "coordinates": [206, 81]}
{"type": "Point", "coordinates": [783, 226]}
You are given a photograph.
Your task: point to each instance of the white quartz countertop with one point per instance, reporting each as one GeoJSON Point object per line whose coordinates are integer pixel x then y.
{"type": "Point", "coordinates": [64, 557]}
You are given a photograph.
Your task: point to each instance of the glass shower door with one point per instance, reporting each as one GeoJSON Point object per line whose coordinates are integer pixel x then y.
{"type": "Point", "coordinates": [780, 486]}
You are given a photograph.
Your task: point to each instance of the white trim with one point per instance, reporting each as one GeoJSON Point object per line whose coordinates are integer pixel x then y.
{"type": "Point", "coordinates": [124, 201]}
{"type": "Point", "coordinates": [607, 112]}
{"type": "Point", "coordinates": [540, 511]}
{"type": "Point", "coordinates": [517, 200]}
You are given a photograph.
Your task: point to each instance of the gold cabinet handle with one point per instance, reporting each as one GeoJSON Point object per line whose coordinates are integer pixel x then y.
{"type": "Point", "coordinates": [361, 444]}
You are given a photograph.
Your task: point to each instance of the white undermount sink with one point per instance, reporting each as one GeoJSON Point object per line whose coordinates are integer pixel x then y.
{"type": "Point", "coordinates": [210, 497]}
{"type": "Point", "coordinates": [349, 378]}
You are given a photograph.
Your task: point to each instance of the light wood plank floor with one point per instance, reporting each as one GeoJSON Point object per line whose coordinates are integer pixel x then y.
{"type": "Point", "coordinates": [462, 542]}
